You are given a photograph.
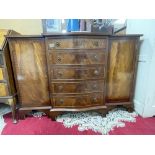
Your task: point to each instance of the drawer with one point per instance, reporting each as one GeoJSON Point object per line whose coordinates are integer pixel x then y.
{"type": "Point", "coordinates": [80, 57]}
{"type": "Point", "coordinates": [78, 87]}
{"type": "Point", "coordinates": [78, 101]}
{"type": "Point", "coordinates": [77, 72]}
{"type": "Point", "coordinates": [76, 43]}
{"type": "Point", "coordinates": [2, 75]}
{"type": "Point", "coordinates": [3, 89]}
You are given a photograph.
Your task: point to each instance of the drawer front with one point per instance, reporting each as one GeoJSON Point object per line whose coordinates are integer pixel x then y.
{"type": "Point", "coordinates": [78, 101]}
{"type": "Point", "coordinates": [3, 90]}
{"type": "Point", "coordinates": [74, 43]}
{"type": "Point", "coordinates": [77, 73]}
{"type": "Point", "coordinates": [78, 87]}
{"type": "Point", "coordinates": [2, 76]}
{"type": "Point", "coordinates": [82, 57]}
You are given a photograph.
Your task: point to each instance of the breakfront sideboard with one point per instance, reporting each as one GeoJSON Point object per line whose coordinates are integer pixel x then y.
{"type": "Point", "coordinates": [74, 71]}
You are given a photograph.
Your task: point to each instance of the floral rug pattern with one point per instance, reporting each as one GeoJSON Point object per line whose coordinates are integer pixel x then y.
{"type": "Point", "coordinates": [95, 121]}
{"type": "Point", "coordinates": [84, 120]}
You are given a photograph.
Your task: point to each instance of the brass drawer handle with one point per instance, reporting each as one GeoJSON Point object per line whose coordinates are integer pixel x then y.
{"type": "Point", "coordinates": [95, 43]}
{"type": "Point", "coordinates": [59, 59]}
{"type": "Point", "coordinates": [57, 44]}
{"type": "Point", "coordinates": [94, 99]}
{"type": "Point", "coordinates": [96, 72]}
{"type": "Point", "coordinates": [96, 57]}
{"type": "Point", "coordinates": [60, 73]}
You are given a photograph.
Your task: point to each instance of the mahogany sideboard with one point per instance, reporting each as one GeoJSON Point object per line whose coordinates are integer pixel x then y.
{"type": "Point", "coordinates": [74, 71]}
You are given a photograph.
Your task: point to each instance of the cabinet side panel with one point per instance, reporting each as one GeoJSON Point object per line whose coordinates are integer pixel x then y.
{"type": "Point", "coordinates": [29, 63]}
{"type": "Point", "coordinates": [121, 66]}
{"type": "Point", "coordinates": [10, 77]}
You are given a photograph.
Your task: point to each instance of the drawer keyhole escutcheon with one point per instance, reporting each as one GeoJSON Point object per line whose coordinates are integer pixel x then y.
{"type": "Point", "coordinates": [59, 59]}
{"type": "Point", "coordinates": [95, 57]}
{"type": "Point", "coordinates": [95, 43]}
{"type": "Point", "coordinates": [57, 44]}
{"type": "Point", "coordinates": [60, 74]}
{"type": "Point", "coordinates": [94, 99]}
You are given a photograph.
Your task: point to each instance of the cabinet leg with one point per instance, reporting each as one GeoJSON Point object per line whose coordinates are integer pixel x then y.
{"type": "Point", "coordinates": [130, 108]}
{"type": "Point", "coordinates": [22, 114]}
{"type": "Point", "coordinates": [54, 114]}
{"type": "Point", "coordinates": [103, 112]}
{"type": "Point", "coordinates": [13, 109]}
{"type": "Point", "coordinates": [47, 112]}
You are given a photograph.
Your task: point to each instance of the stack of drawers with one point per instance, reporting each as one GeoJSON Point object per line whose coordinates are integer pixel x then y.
{"type": "Point", "coordinates": [77, 67]}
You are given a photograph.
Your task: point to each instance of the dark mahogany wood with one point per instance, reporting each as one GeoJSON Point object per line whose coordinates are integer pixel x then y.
{"type": "Point", "coordinates": [121, 69]}
{"type": "Point", "coordinates": [78, 87]}
{"type": "Point", "coordinates": [76, 43]}
{"type": "Point", "coordinates": [74, 71]}
{"type": "Point", "coordinates": [78, 101]}
{"type": "Point", "coordinates": [77, 57]}
{"type": "Point", "coordinates": [81, 73]}
{"type": "Point", "coordinates": [30, 68]}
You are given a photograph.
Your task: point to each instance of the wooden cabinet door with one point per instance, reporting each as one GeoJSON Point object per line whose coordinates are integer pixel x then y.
{"type": "Point", "coordinates": [30, 69]}
{"type": "Point", "coordinates": [121, 69]}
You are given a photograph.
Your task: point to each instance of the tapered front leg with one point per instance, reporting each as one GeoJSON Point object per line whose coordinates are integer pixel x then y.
{"type": "Point", "coordinates": [12, 103]}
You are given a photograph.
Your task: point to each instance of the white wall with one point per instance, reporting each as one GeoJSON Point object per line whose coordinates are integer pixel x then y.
{"type": "Point", "coordinates": [144, 99]}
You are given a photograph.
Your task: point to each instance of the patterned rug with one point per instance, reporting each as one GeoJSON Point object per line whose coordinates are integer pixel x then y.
{"type": "Point", "coordinates": [84, 120]}
{"type": "Point", "coordinates": [95, 121]}
{"type": "Point", "coordinates": [4, 109]}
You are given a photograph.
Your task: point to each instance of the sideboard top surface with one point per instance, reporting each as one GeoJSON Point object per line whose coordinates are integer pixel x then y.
{"type": "Point", "coordinates": [88, 34]}
{"type": "Point", "coordinates": [71, 34]}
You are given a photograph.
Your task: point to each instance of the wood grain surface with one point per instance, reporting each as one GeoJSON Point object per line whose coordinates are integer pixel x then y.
{"type": "Point", "coordinates": [120, 69]}
{"type": "Point", "coordinates": [30, 69]}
